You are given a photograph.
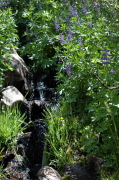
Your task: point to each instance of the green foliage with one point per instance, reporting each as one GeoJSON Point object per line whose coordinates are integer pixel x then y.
{"type": "Point", "coordinates": [109, 176]}
{"type": "Point", "coordinates": [3, 175]}
{"type": "Point", "coordinates": [86, 47]}
{"type": "Point", "coordinates": [8, 39]}
{"type": "Point", "coordinates": [80, 39]}
{"type": "Point", "coordinates": [91, 48]}
{"type": "Point", "coordinates": [39, 33]}
{"type": "Point", "coordinates": [11, 125]}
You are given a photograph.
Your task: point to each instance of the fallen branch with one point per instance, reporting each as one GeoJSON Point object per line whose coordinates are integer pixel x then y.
{"type": "Point", "coordinates": [95, 75]}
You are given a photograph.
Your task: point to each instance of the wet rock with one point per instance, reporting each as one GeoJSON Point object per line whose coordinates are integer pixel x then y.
{"type": "Point", "coordinates": [11, 95]}
{"type": "Point", "coordinates": [94, 164]}
{"type": "Point", "coordinates": [20, 77]}
{"type": "Point", "coordinates": [48, 173]}
{"type": "Point", "coordinates": [37, 108]}
{"type": "Point", "coordinates": [22, 143]}
{"type": "Point", "coordinates": [34, 151]}
{"type": "Point", "coordinates": [7, 157]}
{"type": "Point", "coordinates": [77, 172]}
{"type": "Point", "coordinates": [17, 170]}
{"type": "Point", "coordinates": [34, 170]}
{"type": "Point", "coordinates": [15, 167]}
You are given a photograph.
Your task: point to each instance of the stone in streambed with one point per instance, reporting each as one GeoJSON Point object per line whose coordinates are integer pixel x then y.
{"type": "Point", "coordinates": [76, 172]}
{"type": "Point", "coordinates": [48, 173]}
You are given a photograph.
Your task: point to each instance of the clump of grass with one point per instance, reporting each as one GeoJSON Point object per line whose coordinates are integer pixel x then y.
{"type": "Point", "coordinates": [3, 175]}
{"type": "Point", "coordinates": [62, 138]}
{"type": "Point", "coordinates": [12, 123]}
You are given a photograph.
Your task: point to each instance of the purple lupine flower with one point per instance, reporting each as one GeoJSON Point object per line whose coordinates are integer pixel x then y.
{"type": "Point", "coordinates": [6, 2]}
{"type": "Point", "coordinates": [68, 69]}
{"type": "Point", "coordinates": [85, 10]}
{"type": "Point", "coordinates": [112, 71]}
{"type": "Point", "coordinates": [70, 34]}
{"type": "Point", "coordinates": [57, 26]}
{"type": "Point", "coordinates": [105, 54]}
{"type": "Point", "coordinates": [79, 39]}
{"type": "Point", "coordinates": [90, 24]}
{"type": "Point", "coordinates": [104, 50]}
{"type": "Point", "coordinates": [64, 2]}
{"type": "Point", "coordinates": [106, 62]}
{"type": "Point", "coordinates": [68, 20]}
{"type": "Point", "coordinates": [97, 10]}
{"type": "Point", "coordinates": [51, 41]}
{"type": "Point", "coordinates": [73, 12]}
{"type": "Point", "coordinates": [96, 7]}
{"type": "Point", "coordinates": [78, 23]}
{"type": "Point", "coordinates": [105, 58]}
{"type": "Point", "coordinates": [62, 40]}
{"type": "Point", "coordinates": [60, 61]}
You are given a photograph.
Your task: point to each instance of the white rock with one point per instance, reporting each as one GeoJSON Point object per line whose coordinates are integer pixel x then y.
{"type": "Point", "coordinates": [10, 95]}
{"type": "Point", "coordinates": [48, 173]}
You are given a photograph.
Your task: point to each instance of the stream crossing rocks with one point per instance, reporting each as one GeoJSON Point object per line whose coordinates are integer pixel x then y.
{"type": "Point", "coordinates": [48, 173]}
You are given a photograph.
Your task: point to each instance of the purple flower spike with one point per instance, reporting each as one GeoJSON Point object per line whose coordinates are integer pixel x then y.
{"type": "Point", "coordinates": [51, 41]}
{"type": "Point", "coordinates": [90, 24]}
{"type": "Point", "coordinates": [105, 58]}
{"type": "Point", "coordinates": [70, 34]}
{"type": "Point", "coordinates": [68, 69]}
{"type": "Point", "coordinates": [104, 54]}
{"type": "Point", "coordinates": [106, 62]}
{"type": "Point", "coordinates": [73, 12]}
{"type": "Point", "coordinates": [78, 23]}
{"type": "Point", "coordinates": [79, 39]}
{"type": "Point", "coordinates": [104, 50]}
{"type": "Point", "coordinates": [62, 38]}
{"type": "Point", "coordinates": [112, 71]}
{"type": "Point", "coordinates": [85, 10]}
{"type": "Point", "coordinates": [68, 20]}
{"type": "Point", "coordinates": [57, 26]}
{"type": "Point", "coordinates": [64, 2]}
{"type": "Point", "coordinates": [60, 61]}
{"type": "Point", "coordinates": [96, 7]}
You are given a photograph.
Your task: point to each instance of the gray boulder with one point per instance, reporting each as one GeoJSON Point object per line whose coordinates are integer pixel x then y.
{"type": "Point", "coordinates": [20, 76]}
{"type": "Point", "coordinates": [48, 173]}
{"type": "Point", "coordinates": [76, 172]}
{"type": "Point", "coordinates": [11, 95]}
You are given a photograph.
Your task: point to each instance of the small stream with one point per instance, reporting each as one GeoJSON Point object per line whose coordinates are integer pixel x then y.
{"type": "Point", "coordinates": [26, 160]}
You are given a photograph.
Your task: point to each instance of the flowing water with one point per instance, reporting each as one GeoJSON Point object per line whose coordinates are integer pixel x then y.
{"type": "Point", "coordinates": [30, 145]}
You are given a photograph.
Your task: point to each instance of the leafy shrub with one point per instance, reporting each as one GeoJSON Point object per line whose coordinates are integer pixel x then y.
{"type": "Point", "coordinates": [8, 39]}
{"type": "Point", "coordinates": [87, 70]}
